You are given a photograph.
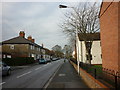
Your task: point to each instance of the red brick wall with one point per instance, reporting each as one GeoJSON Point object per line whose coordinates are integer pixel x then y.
{"type": "Point", "coordinates": [109, 35]}
{"type": "Point", "coordinates": [119, 34]}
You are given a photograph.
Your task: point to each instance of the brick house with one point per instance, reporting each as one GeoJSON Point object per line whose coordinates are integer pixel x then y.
{"type": "Point", "coordinates": [22, 47]}
{"type": "Point", "coordinates": [47, 54]}
{"type": "Point", "coordinates": [110, 34]}
{"type": "Point", "coordinates": [95, 50]}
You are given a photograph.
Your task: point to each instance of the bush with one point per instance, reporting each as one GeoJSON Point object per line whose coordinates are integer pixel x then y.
{"type": "Point", "coordinates": [18, 61]}
{"type": "Point", "coordinates": [73, 60]}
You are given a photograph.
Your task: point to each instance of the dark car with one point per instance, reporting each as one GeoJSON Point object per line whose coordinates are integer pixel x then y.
{"type": "Point", "coordinates": [6, 70]}
{"type": "Point", "coordinates": [42, 61]}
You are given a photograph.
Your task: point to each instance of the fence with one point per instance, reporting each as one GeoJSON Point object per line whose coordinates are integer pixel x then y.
{"type": "Point", "coordinates": [102, 74]}
{"type": "Point", "coordinates": [111, 77]}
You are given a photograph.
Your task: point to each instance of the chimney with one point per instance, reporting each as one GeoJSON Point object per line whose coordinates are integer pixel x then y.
{"type": "Point", "coordinates": [22, 34]}
{"type": "Point", "coordinates": [42, 45]}
{"type": "Point", "coordinates": [29, 38]}
{"type": "Point", "coordinates": [33, 40]}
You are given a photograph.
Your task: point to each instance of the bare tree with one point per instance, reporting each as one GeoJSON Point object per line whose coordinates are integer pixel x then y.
{"type": "Point", "coordinates": [84, 18]}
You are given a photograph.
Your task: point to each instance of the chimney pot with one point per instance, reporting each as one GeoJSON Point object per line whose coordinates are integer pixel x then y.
{"type": "Point", "coordinates": [29, 38]}
{"type": "Point", "coordinates": [22, 34]}
{"type": "Point", "coordinates": [42, 45]}
{"type": "Point", "coordinates": [33, 40]}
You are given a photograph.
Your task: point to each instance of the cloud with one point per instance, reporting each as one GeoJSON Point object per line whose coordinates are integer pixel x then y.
{"type": "Point", "coordinates": [32, 10]}
{"type": "Point", "coordinates": [37, 19]}
{"type": "Point", "coordinates": [51, 0]}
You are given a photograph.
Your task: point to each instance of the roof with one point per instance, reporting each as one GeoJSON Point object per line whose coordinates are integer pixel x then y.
{"type": "Point", "coordinates": [89, 36]}
{"type": "Point", "coordinates": [104, 7]}
{"type": "Point", "coordinates": [100, 9]}
{"type": "Point", "coordinates": [19, 40]}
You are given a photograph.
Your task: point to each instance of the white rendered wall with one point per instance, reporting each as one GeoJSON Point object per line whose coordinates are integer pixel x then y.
{"type": "Point", "coordinates": [95, 51]}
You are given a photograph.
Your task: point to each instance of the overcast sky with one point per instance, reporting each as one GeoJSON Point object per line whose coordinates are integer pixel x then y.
{"type": "Point", "coordinates": [38, 19]}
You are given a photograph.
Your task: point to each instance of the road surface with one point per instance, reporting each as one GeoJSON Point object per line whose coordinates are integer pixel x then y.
{"type": "Point", "coordinates": [31, 76]}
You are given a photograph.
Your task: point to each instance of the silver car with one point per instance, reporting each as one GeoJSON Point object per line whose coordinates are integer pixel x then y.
{"type": "Point", "coordinates": [6, 70]}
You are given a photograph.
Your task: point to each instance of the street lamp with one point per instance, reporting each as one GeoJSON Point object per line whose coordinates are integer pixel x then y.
{"type": "Point", "coordinates": [64, 6]}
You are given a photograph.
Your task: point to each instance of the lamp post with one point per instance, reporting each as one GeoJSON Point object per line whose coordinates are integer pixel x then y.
{"type": "Point", "coordinates": [77, 50]}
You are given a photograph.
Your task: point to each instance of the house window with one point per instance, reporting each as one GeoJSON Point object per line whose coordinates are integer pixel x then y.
{"type": "Point", "coordinates": [32, 55]}
{"type": "Point", "coordinates": [8, 56]}
{"type": "Point", "coordinates": [4, 56]}
{"type": "Point", "coordinates": [33, 47]}
{"type": "Point", "coordinates": [37, 49]}
{"type": "Point", "coordinates": [12, 47]}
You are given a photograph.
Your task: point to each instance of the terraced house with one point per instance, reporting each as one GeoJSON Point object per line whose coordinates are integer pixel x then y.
{"type": "Point", "coordinates": [22, 47]}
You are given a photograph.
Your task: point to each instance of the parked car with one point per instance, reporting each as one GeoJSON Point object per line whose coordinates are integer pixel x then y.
{"type": "Point", "coordinates": [54, 59]}
{"type": "Point", "coordinates": [42, 61]}
{"type": "Point", "coordinates": [6, 70]}
{"type": "Point", "coordinates": [48, 60]}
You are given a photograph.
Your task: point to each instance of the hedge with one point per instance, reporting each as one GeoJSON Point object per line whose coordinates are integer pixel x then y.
{"type": "Point", "coordinates": [73, 60]}
{"type": "Point", "coordinates": [18, 61]}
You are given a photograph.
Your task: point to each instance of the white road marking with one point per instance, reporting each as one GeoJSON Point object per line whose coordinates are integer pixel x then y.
{"type": "Point", "coordinates": [24, 74]}
{"type": "Point", "coordinates": [62, 75]}
{"type": "Point", "coordinates": [43, 66]}
{"type": "Point", "coordinates": [38, 68]}
{"type": "Point", "coordinates": [2, 83]}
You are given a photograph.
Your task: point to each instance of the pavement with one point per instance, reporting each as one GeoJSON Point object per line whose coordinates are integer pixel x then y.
{"type": "Point", "coordinates": [67, 77]}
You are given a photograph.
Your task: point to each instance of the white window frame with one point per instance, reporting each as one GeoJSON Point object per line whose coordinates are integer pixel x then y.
{"type": "Point", "coordinates": [8, 56]}
{"type": "Point", "coordinates": [12, 46]}
{"type": "Point", "coordinates": [33, 47]}
{"type": "Point", "coordinates": [4, 56]}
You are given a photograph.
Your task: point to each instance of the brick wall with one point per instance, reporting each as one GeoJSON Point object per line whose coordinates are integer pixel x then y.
{"type": "Point", "coordinates": [19, 50]}
{"type": "Point", "coordinates": [109, 35]}
{"type": "Point", "coordinates": [119, 35]}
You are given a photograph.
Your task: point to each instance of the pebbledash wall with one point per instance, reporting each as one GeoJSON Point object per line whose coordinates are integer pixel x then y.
{"type": "Point", "coordinates": [110, 35]}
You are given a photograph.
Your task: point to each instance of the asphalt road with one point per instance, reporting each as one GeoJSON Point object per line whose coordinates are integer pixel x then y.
{"type": "Point", "coordinates": [31, 76]}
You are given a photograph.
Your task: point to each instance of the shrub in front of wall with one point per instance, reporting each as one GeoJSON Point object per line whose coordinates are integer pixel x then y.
{"type": "Point", "coordinates": [73, 60]}
{"type": "Point", "coordinates": [18, 61]}
{"type": "Point", "coordinates": [8, 61]}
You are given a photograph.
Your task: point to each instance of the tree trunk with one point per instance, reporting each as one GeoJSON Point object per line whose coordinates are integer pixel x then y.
{"type": "Point", "coordinates": [88, 46]}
